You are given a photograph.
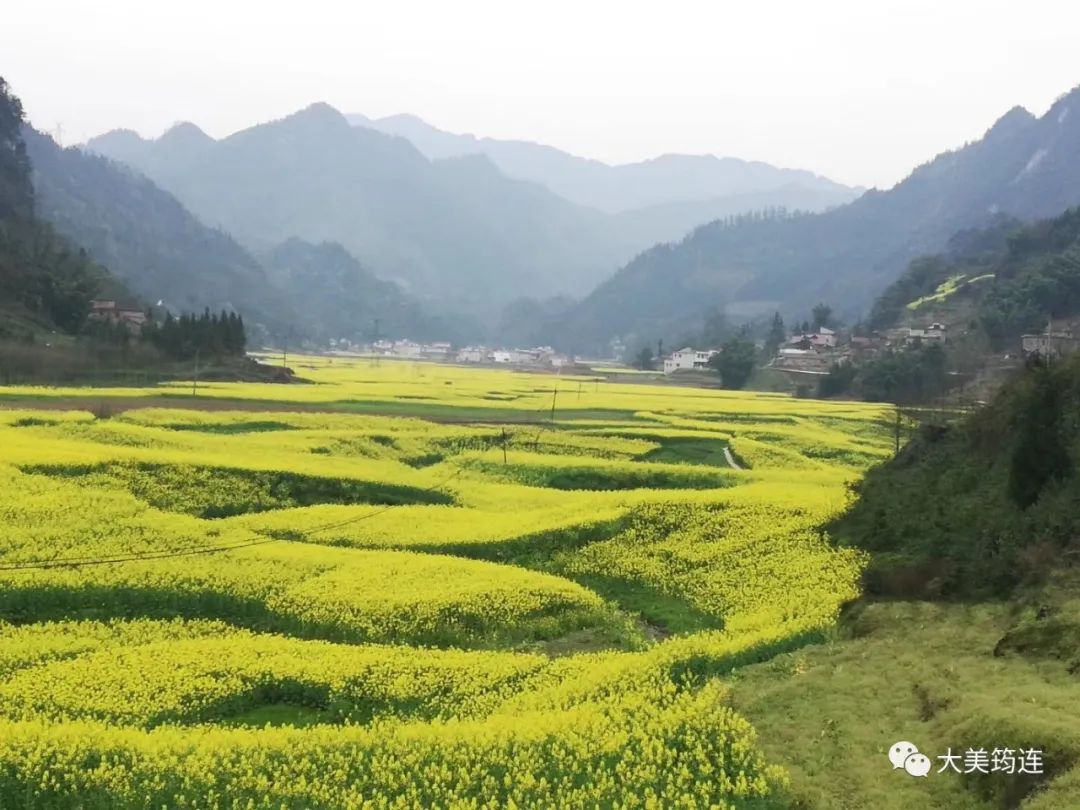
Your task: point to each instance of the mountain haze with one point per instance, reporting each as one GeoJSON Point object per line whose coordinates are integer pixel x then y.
{"type": "Point", "coordinates": [665, 179]}
{"type": "Point", "coordinates": [349, 300]}
{"type": "Point", "coordinates": [146, 237]}
{"type": "Point", "coordinates": [1023, 166]}
{"type": "Point", "coordinates": [455, 231]}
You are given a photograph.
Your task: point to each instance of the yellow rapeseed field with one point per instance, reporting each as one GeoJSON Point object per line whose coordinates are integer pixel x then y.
{"type": "Point", "coordinates": [408, 585]}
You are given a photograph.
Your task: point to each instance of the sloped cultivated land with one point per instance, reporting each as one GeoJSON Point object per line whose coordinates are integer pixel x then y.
{"type": "Point", "coordinates": [470, 602]}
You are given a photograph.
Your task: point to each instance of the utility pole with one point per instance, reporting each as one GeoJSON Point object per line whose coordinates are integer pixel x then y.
{"type": "Point", "coordinates": [660, 350]}
{"type": "Point", "coordinates": [195, 376]}
{"type": "Point", "coordinates": [285, 351]}
{"type": "Point", "coordinates": [554, 393]}
{"type": "Point", "coordinates": [504, 444]}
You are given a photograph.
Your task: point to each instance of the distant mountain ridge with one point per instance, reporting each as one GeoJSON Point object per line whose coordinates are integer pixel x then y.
{"type": "Point", "coordinates": [456, 232]}
{"type": "Point", "coordinates": [162, 251]}
{"type": "Point", "coordinates": [669, 178]}
{"type": "Point", "coordinates": [350, 302]}
{"type": "Point", "coordinates": [1023, 166]}
{"type": "Point", "coordinates": [147, 238]}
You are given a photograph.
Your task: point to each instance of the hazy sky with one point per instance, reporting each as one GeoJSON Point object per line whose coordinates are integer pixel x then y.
{"type": "Point", "coordinates": [859, 90]}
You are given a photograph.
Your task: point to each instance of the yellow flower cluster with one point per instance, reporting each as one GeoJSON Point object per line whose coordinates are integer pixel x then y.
{"type": "Point", "coordinates": [660, 748]}
{"type": "Point", "coordinates": [418, 612]}
{"type": "Point", "coordinates": [151, 673]}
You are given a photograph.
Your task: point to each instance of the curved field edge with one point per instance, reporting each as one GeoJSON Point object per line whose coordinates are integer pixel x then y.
{"type": "Point", "coordinates": [660, 566]}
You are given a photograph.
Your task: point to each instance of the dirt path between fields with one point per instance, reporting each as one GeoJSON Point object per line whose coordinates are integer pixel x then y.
{"type": "Point", "coordinates": [731, 460]}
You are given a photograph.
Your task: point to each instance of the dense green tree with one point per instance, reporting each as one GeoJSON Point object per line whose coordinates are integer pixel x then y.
{"type": "Point", "coordinates": [777, 333]}
{"type": "Point", "coordinates": [644, 359]}
{"type": "Point", "coordinates": [735, 362]}
{"type": "Point", "coordinates": [1039, 455]}
{"type": "Point", "coordinates": [904, 376]}
{"type": "Point", "coordinates": [821, 314]}
{"type": "Point", "coordinates": [208, 335]}
{"type": "Point", "coordinates": [838, 381]}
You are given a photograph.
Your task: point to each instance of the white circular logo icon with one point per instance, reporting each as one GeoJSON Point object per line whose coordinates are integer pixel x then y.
{"type": "Point", "coordinates": [917, 764]}
{"type": "Point", "coordinates": [901, 751]}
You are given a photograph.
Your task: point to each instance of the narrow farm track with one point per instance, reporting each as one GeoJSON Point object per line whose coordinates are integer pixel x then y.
{"type": "Point", "coordinates": [731, 460]}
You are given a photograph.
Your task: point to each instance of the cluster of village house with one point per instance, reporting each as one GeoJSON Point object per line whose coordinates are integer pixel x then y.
{"type": "Point", "coordinates": [804, 353]}
{"type": "Point", "coordinates": [539, 357]}
{"type": "Point", "coordinates": [816, 352]}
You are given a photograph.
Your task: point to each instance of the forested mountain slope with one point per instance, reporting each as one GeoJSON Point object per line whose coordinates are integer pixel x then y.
{"type": "Point", "coordinates": [44, 279]}
{"type": "Point", "coordinates": [1023, 166]}
{"type": "Point", "coordinates": [350, 302]}
{"type": "Point", "coordinates": [1013, 277]}
{"type": "Point", "coordinates": [454, 231]}
{"type": "Point", "coordinates": [144, 235]}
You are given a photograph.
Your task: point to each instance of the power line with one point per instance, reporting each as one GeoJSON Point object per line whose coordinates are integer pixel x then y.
{"type": "Point", "coordinates": [83, 562]}
{"type": "Point", "coordinates": [388, 507]}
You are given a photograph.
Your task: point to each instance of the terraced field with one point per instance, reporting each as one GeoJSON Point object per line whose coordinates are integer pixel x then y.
{"type": "Point", "coordinates": [408, 585]}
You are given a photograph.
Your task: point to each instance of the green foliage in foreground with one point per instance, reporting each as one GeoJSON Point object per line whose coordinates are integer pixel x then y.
{"type": "Point", "coordinates": [974, 509]}
{"type": "Point", "coordinates": [939, 676]}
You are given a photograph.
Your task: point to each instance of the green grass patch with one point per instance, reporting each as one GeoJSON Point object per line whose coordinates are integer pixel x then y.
{"type": "Point", "coordinates": [662, 613]}
{"type": "Point", "coordinates": [708, 452]}
{"type": "Point", "coordinates": [230, 428]}
{"type": "Point", "coordinates": [280, 714]}
{"type": "Point", "coordinates": [604, 478]}
{"type": "Point", "coordinates": [922, 673]}
{"type": "Point", "coordinates": [216, 492]}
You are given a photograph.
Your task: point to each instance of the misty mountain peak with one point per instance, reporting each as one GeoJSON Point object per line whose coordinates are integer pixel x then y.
{"type": "Point", "coordinates": [186, 132]}
{"type": "Point", "coordinates": [126, 137]}
{"type": "Point", "coordinates": [1013, 121]}
{"type": "Point", "coordinates": [318, 115]}
{"type": "Point", "coordinates": [124, 145]}
{"type": "Point", "coordinates": [405, 118]}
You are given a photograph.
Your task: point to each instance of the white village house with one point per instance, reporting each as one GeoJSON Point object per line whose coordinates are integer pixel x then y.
{"type": "Point", "coordinates": [687, 359]}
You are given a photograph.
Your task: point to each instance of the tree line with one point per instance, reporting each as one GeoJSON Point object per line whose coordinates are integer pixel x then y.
{"type": "Point", "coordinates": [207, 335]}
